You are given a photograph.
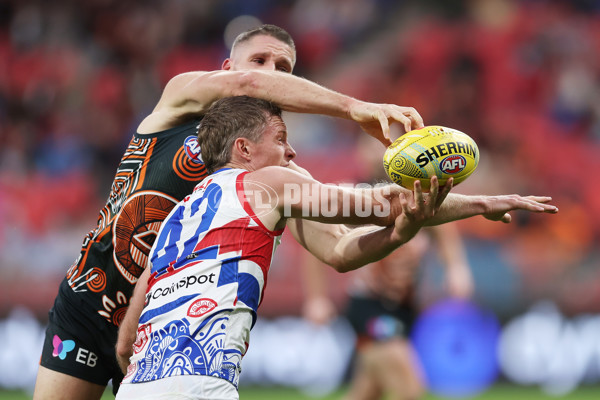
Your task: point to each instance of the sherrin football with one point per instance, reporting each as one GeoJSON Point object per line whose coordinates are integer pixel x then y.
{"type": "Point", "coordinates": [433, 150]}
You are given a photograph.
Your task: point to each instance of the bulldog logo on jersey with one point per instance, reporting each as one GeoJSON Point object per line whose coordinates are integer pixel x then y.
{"type": "Point", "coordinates": [143, 335]}
{"type": "Point", "coordinates": [201, 306]}
{"type": "Point", "coordinates": [187, 162]}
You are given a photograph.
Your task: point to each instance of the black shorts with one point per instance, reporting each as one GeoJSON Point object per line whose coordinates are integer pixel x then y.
{"type": "Point", "coordinates": [80, 345]}
{"type": "Point", "coordinates": [378, 320]}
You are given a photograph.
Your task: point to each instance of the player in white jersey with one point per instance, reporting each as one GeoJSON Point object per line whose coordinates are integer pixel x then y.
{"type": "Point", "coordinates": [199, 309]}
{"type": "Point", "coordinates": [209, 264]}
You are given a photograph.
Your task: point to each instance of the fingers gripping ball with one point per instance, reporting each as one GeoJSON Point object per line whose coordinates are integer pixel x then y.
{"type": "Point", "coordinates": [431, 151]}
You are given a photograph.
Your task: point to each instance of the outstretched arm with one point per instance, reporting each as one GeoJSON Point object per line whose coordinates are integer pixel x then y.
{"type": "Point", "coordinates": [310, 206]}
{"type": "Point", "coordinates": [494, 208]}
{"type": "Point", "coordinates": [128, 327]}
{"type": "Point", "coordinates": [192, 93]}
{"type": "Point", "coordinates": [346, 248]}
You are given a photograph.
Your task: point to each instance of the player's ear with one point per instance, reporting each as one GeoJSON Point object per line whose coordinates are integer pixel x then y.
{"type": "Point", "coordinates": [226, 64]}
{"type": "Point", "coordinates": [242, 149]}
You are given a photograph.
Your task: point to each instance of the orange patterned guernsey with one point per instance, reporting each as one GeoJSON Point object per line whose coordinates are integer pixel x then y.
{"type": "Point", "coordinates": [155, 173]}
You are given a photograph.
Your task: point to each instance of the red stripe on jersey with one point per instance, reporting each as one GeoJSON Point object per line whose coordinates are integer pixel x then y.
{"type": "Point", "coordinates": [255, 244]}
{"type": "Point", "coordinates": [239, 186]}
{"type": "Point", "coordinates": [237, 236]}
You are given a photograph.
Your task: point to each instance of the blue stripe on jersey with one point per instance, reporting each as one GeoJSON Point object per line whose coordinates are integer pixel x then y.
{"type": "Point", "coordinates": [207, 253]}
{"type": "Point", "coordinates": [248, 290]}
{"type": "Point", "coordinates": [148, 315]}
{"type": "Point", "coordinates": [229, 271]}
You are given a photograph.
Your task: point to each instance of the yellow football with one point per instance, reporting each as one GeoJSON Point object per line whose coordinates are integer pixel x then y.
{"type": "Point", "coordinates": [431, 151]}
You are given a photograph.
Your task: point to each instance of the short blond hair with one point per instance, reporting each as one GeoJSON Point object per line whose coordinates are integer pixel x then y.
{"type": "Point", "coordinates": [268, 30]}
{"type": "Point", "coordinates": [228, 119]}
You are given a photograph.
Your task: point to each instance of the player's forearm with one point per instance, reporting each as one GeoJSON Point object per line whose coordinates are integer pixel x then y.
{"type": "Point", "coordinates": [344, 248]}
{"type": "Point", "coordinates": [193, 93]}
{"type": "Point", "coordinates": [128, 327]}
{"type": "Point", "coordinates": [456, 207]}
{"type": "Point", "coordinates": [295, 94]}
{"type": "Point", "coordinates": [299, 196]}
{"type": "Point", "coordinates": [362, 246]}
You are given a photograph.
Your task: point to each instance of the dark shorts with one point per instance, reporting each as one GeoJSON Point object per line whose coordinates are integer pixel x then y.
{"type": "Point", "coordinates": [79, 346]}
{"type": "Point", "coordinates": [378, 320]}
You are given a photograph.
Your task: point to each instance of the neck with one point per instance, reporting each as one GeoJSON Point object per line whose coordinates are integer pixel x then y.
{"type": "Point", "coordinates": [238, 165]}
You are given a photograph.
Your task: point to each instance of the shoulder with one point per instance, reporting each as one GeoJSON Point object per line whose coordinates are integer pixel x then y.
{"type": "Point", "coordinates": [277, 173]}
{"type": "Point", "coordinates": [207, 79]}
{"type": "Point", "coordinates": [299, 169]}
{"type": "Point", "coordinates": [180, 100]}
{"type": "Point", "coordinates": [279, 178]}
{"type": "Point", "coordinates": [268, 174]}
{"type": "Point", "coordinates": [180, 81]}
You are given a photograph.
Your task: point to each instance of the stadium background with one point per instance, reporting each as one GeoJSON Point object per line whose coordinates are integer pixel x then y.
{"type": "Point", "coordinates": [521, 77]}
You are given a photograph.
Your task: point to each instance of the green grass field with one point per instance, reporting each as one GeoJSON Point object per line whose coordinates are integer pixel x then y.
{"type": "Point", "coordinates": [499, 392]}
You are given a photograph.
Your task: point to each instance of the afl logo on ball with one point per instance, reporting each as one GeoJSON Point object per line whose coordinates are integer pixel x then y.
{"type": "Point", "coordinates": [200, 307]}
{"type": "Point", "coordinates": [453, 164]}
{"type": "Point", "coordinates": [192, 149]}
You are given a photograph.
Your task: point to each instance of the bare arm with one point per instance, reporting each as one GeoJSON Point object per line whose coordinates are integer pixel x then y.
{"type": "Point", "coordinates": [299, 196]}
{"type": "Point", "coordinates": [459, 281]}
{"type": "Point", "coordinates": [317, 307]}
{"type": "Point", "coordinates": [347, 248]}
{"type": "Point", "coordinates": [191, 94]}
{"type": "Point", "coordinates": [343, 248]}
{"type": "Point", "coordinates": [311, 205]}
{"type": "Point", "coordinates": [494, 208]}
{"type": "Point", "coordinates": [128, 327]}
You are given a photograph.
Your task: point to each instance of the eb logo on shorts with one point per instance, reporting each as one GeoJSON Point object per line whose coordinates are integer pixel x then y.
{"type": "Point", "coordinates": [62, 347]}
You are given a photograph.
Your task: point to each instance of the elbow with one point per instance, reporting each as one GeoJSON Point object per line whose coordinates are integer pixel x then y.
{"type": "Point", "coordinates": [124, 345]}
{"type": "Point", "coordinates": [341, 264]}
{"type": "Point", "coordinates": [247, 83]}
{"type": "Point", "coordinates": [123, 351]}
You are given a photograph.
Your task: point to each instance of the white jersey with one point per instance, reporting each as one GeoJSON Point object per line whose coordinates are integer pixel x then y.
{"type": "Point", "coordinates": [209, 270]}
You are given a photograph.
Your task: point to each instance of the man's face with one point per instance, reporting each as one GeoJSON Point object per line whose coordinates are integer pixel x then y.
{"type": "Point", "coordinates": [273, 148]}
{"type": "Point", "coordinates": [261, 52]}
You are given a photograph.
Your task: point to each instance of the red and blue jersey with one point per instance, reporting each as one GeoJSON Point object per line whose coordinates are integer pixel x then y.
{"type": "Point", "coordinates": [209, 270]}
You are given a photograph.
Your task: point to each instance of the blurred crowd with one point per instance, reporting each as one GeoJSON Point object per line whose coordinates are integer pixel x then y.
{"type": "Point", "coordinates": [521, 77]}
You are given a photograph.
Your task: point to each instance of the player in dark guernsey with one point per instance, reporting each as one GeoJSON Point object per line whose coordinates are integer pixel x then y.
{"type": "Point", "coordinates": [160, 167]}
{"type": "Point", "coordinates": [155, 173]}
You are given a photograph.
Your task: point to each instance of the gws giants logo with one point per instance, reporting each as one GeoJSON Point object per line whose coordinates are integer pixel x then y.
{"type": "Point", "coordinates": [200, 307]}
{"type": "Point", "coordinates": [135, 230]}
{"type": "Point", "coordinates": [453, 164]}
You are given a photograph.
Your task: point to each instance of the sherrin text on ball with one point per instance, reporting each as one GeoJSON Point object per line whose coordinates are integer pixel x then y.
{"type": "Point", "coordinates": [431, 151]}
